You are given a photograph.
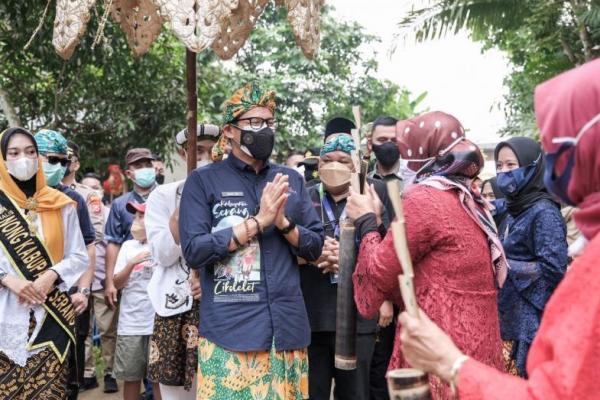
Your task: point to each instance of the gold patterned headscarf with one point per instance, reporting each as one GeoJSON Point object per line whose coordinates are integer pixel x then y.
{"type": "Point", "coordinates": [243, 100]}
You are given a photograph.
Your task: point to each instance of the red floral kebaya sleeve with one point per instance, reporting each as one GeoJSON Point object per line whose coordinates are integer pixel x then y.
{"type": "Point", "coordinates": [564, 357]}
{"type": "Point", "coordinates": [377, 269]}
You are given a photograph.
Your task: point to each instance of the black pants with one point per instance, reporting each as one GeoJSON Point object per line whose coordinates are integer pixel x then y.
{"type": "Point", "coordinates": [349, 385]}
{"type": "Point", "coordinates": [77, 355]}
{"type": "Point", "coordinates": [384, 346]}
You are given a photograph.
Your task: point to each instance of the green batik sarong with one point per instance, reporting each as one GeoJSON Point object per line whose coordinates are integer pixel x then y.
{"type": "Point", "coordinates": [260, 375]}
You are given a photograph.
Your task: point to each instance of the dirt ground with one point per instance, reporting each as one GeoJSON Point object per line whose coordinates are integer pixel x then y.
{"type": "Point", "coordinates": [98, 394]}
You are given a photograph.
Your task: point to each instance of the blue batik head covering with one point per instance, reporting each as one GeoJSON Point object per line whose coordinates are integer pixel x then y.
{"type": "Point", "coordinates": [49, 141]}
{"type": "Point", "coordinates": [341, 142]}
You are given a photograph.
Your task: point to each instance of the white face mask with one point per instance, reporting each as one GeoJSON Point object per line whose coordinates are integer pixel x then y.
{"type": "Point", "coordinates": [23, 168]}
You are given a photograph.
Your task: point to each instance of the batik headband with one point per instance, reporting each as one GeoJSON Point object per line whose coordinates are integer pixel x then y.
{"type": "Point", "coordinates": [341, 142]}
{"type": "Point", "coordinates": [245, 99]}
{"type": "Point", "coordinates": [49, 141]}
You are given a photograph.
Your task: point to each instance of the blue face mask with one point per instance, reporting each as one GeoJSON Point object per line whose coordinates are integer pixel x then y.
{"type": "Point", "coordinates": [145, 177]}
{"type": "Point", "coordinates": [499, 206]}
{"type": "Point", "coordinates": [512, 182]}
{"type": "Point", "coordinates": [54, 173]}
{"type": "Point", "coordinates": [559, 185]}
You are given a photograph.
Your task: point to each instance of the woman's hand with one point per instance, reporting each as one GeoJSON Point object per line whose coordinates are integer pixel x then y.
{"type": "Point", "coordinates": [43, 284]}
{"type": "Point", "coordinates": [425, 346]}
{"type": "Point", "coordinates": [24, 289]}
{"type": "Point", "coordinates": [358, 205]}
{"type": "Point", "coordinates": [273, 197]}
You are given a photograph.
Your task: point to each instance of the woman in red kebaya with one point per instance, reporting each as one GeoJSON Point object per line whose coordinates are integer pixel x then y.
{"type": "Point", "coordinates": [564, 357]}
{"type": "Point", "coordinates": [457, 256]}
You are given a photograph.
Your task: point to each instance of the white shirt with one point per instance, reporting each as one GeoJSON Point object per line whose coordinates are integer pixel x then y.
{"type": "Point", "coordinates": [14, 317]}
{"type": "Point", "coordinates": [136, 316]}
{"type": "Point", "coordinates": [169, 289]}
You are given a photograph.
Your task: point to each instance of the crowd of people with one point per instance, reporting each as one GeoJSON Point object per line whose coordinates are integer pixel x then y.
{"type": "Point", "coordinates": [224, 285]}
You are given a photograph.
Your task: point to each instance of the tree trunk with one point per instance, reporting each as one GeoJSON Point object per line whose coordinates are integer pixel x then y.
{"type": "Point", "coordinates": [584, 35]}
{"type": "Point", "coordinates": [569, 51]}
{"type": "Point", "coordinates": [8, 109]}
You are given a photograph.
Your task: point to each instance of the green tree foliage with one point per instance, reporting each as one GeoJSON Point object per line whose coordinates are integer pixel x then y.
{"type": "Point", "coordinates": [104, 99]}
{"type": "Point", "coordinates": [310, 92]}
{"type": "Point", "coordinates": [541, 38]}
{"type": "Point", "coordinates": [107, 101]}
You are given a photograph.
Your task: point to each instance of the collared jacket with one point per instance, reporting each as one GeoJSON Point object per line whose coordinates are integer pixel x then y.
{"type": "Point", "coordinates": [251, 298]}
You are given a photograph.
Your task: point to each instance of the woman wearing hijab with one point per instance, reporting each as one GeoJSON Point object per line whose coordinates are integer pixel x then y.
{"type": "Point", "coordinates": [458, 259]}
{"type": "Point", "coordinates": [535, 244]}
{"type": "Point", "coordinates": [41, 257]}
{"type": "Point", "coordinates": [492, 193]}
{"type": "Point", "coordinates": [564, 357]}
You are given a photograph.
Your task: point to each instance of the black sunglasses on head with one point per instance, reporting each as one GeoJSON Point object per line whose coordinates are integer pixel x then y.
{"type": "Point", "coordinates": [55, 160]}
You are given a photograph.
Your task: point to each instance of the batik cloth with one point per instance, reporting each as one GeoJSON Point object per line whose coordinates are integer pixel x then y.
{"type": "Point", "coordinates": [260, 375]}
{"type": "Point", "coordinates": [174, 349]}
{"type": "Point", "coordinates": [49, 141]}
{"type": "Point", "coordinates": [43, 377]}
{"type": "Point", "coordinates": [245, 99]}
{"type": "Point", "coordinates": [341, 142]}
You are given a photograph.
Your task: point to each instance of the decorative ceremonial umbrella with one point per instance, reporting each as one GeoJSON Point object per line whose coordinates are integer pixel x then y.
{"type": "Point", "coordinates": [222, 25]}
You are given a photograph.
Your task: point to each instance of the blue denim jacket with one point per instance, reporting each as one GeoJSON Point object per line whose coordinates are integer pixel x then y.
{"type": "Point", "coordinates": [251, 298]}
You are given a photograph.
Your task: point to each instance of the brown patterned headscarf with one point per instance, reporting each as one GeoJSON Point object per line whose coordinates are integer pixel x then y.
{"type": "Point", "coordinates": [434, 143]}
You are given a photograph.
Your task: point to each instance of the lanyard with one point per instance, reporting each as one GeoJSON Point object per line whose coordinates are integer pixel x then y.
{"type": "Point", "coordinates": [325, 205]}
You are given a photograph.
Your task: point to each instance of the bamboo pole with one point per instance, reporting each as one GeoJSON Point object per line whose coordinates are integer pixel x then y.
{"type": "Point", "coordinates": [407, 289]}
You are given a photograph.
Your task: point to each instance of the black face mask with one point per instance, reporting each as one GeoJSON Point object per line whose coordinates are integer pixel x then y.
{"type": "Point", "coordinates": [259, 143]}
{"type": "Point", "coordinates": [160, 179]}
{"type": "Point", "coordinates": [387, 154]}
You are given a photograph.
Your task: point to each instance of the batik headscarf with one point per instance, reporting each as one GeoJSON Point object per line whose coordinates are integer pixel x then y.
{"type": "Point", "coordinates": [243, 100]}
{"type": "Point", "coordinates": [434, 144]}
{"type": "Point", "coordinates": [568, 106]}
{"type": "Point", "coordinates": [49, 141]}
{"type": "Point", "coordinates": [341, 142]}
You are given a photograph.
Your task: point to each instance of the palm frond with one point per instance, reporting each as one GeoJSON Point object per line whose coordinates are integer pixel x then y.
{"type": "Point", "coordinates": [450, 16]}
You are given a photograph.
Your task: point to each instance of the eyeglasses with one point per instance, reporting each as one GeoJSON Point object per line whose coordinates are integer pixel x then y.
{"type": "Point", "coordinates": [259, 123]}
{"type": "Point", "coordinates": [55, 160]}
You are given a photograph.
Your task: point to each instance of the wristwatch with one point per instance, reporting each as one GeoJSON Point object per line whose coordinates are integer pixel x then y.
{"type": "Point", "coordinates": [85, 291]}
{"type": "Point", "coordinates": [288, 228]}
{"type": "Point", "coordinates": [2, 276]}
